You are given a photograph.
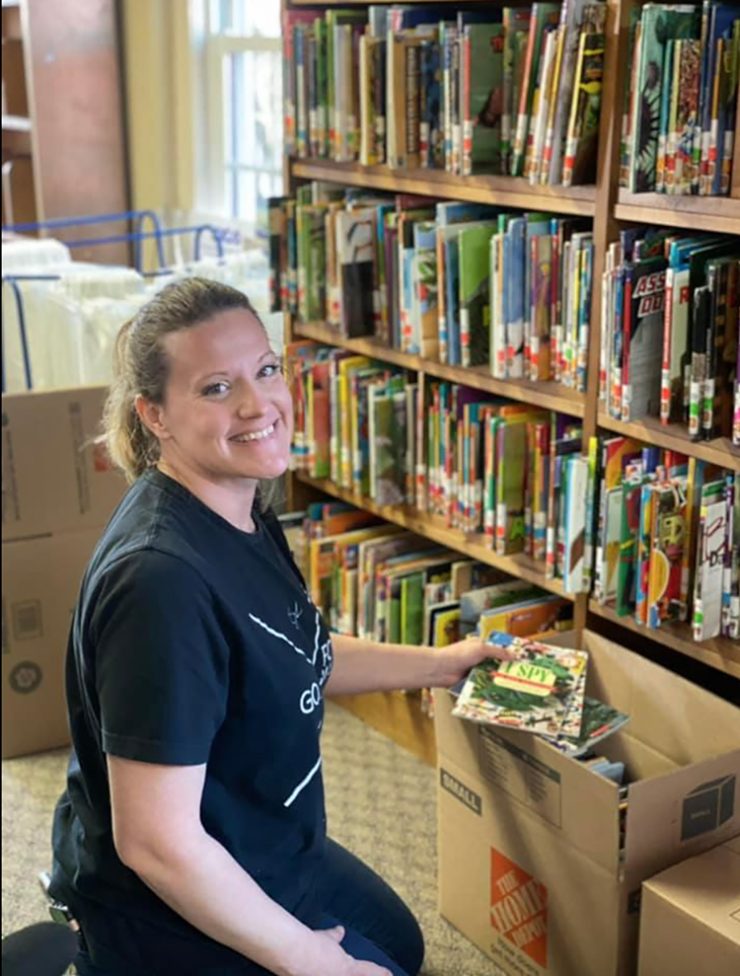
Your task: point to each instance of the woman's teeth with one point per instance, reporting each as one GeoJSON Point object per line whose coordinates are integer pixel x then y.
{"type": "Point", "coordinates": [258, 435]}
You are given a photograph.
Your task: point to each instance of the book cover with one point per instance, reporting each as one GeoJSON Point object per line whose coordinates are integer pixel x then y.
{"type": "Point", "coordinates": [475, 602]}
{"type": "Point", "coordinates": [626, 575]}
{"type": "Point", "coordinates": [571, 16]}
{"type": "Point", "coordinates": [356, 256]}
{"type": "Point", "coordinates": [666, 553]}
{"type": "Point", "coordinates": [442, 624]}
{"type": "Point", "coordinates": [579, 161]}
{"type": "Point", "coordinates": [544, 613]}
{"type": "Point", "coordinates": [516, 23]}
{"type": "Point", "coordinates": [598, 721]}
{"type": "Point", "coordinates": [687, 113]}
{"type": "Point", "coordinates": [710, 556]}
{"type": "Point", "coordinates": [473, 248]}
{"type": "Point", "coordinates": [543, 15]}
{"type": "Point", "coordinates": [483, 56]}
{"type": "Point", "coordinates": [660, 22]}
{"type": "Point", "coordinates": [531, 693]}
{"type": "Point", "coordinates": [643, 338]}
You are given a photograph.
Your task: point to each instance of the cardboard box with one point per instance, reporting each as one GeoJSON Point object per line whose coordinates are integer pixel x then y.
{"type": "Point", "coordinates": [690, 917]}
{"type": "Point", "coordinates": [530, 866]}
{"type": "Point", "coordinates": [41, 579]}
{"type": "Point", "coordinates": [54, 478]}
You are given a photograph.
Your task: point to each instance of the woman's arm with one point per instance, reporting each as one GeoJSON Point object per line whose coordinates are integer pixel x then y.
{"type": "Point", "coordinates": [158, 834]}
{"type": "Point", "coordinates": [363, 665]}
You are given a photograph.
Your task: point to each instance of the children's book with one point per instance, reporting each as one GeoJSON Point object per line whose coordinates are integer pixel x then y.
{"type": "Point", "coordinates": [473, 245]}
{"type": "Point", "coordinates": [598, 721]}
{"type": "Point", "coordinates": [532, 692]}
{"type": "Point", "coordinates": [710, 557]}
{"type": "Point", "coordinates": [442, 623]}
{"type": "Point", "coordinates": [482, 85]}
{"type": "Point", "coordinates": [356, 254]}
{"type": "Point", "coordinates": [666, 553]}
{"type": "Point", "coordinates": [579, 161]}
{"type": "Point", "coordinates": [473, 603]}
{"type": "Point", "coordinates": [523, 618]}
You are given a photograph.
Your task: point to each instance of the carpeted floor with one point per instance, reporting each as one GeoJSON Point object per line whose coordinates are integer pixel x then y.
{"type": "Point", "coordinates": [381, 805]}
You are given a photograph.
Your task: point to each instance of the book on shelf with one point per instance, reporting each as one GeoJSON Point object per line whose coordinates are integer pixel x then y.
{"type": "Point", "coordinates": [581, 143]}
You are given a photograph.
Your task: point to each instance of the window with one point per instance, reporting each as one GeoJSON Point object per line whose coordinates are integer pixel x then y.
{"type": "Point", "coordinates": [239, 108]}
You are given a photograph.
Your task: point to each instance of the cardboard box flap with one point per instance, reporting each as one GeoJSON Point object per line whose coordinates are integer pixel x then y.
{"type": "Point", "coordinates": [686, 723]}
{"type": "Point", "coordinates": [687, 810]}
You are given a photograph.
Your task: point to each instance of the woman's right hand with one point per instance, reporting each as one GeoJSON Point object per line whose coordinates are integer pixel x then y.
{"type": "Point", "coordinates": [332, 960]}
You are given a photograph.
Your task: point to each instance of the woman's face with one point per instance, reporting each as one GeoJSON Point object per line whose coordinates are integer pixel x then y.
{"type": "Point", "coordinates": [227, 413]}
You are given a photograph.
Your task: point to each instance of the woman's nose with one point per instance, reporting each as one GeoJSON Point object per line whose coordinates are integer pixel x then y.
{"type": "Point", "coordinates": [251, 401]}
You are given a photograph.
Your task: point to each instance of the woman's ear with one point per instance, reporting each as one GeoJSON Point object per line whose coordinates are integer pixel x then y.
{"type": "Point", "coordinates": [152, 417]}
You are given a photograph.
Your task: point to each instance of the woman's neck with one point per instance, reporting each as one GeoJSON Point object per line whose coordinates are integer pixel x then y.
{"type": "Point", "coordinates": [231, 500]}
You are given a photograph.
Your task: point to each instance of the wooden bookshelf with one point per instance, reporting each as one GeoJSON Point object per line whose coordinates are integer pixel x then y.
{"type": "Point", "coordinates": [675, 437]}
{"type": "Point", "coordinates": [505, 191]}
{"type": "Point", "coordinates": [471, 544]}
{"type": "Point", "coordinates": [550, 395]}
{"type": "Point", "coordinates": [720, 652]}
{"type": "Point", "coordinates": [611, 208]}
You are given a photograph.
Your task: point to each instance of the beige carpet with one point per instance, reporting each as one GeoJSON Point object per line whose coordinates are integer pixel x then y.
{"type": "Point", "coordinates": [381, 805]}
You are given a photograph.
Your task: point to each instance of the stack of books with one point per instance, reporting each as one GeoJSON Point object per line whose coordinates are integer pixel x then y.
{"type": "Point", "coordinates": [539, 688]}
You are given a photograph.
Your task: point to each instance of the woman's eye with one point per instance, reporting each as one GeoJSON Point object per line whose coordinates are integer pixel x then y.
{"type": "Point", "coordinates": [216, 389]}
{"type": "Point", "coordinates": [271, 369]}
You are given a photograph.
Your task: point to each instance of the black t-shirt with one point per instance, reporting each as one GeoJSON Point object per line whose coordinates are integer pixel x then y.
{"type": "Point", "coordinates": [193, 642]}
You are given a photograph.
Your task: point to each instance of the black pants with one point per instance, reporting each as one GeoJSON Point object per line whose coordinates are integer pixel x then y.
{"type": "Point", "coordinates": [379, 926]}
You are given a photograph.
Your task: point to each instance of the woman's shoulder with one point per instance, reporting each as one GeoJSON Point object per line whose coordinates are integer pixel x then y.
{"type": "Point", "coordinates": [149, 533]}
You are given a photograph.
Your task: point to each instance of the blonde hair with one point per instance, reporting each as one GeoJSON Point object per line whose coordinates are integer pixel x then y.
{"type": "Point", "coordinates": [141, 366]}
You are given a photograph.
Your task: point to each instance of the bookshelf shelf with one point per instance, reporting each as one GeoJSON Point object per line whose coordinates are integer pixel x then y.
{"type": "Point", "coordinates": [550, 395]}
{"type": "Point", "coordinates": [433, 527]}
{"type": "Point", "coordinates": [508, 191]}
{"type": "Point", "coordinates": [674, 437]}
{"type": "Point", "coordinates": [720, 214]}
{"type": "Point", "coordinates": [720, 653]}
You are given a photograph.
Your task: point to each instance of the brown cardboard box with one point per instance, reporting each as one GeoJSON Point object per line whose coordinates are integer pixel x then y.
{"type": "Point", "coordinates": [54, 479]}
{"type": "Point", "coordinates": [41, 579]}
{"type": "Point", "coordinates": [690, 916]}
{"type": "Point", "coordinates": [530, 867]}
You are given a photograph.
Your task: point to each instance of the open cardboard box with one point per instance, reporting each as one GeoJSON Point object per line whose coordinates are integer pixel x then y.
{"type": "Point", "coordinates": [531, 867]}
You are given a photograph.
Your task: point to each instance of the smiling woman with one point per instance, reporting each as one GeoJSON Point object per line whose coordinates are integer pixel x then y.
{"type": "Point", "coordinates": [192, 835]}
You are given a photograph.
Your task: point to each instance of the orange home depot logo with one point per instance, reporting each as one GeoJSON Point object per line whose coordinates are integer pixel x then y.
{"type": "Point", "coordinates": [519, 907]}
